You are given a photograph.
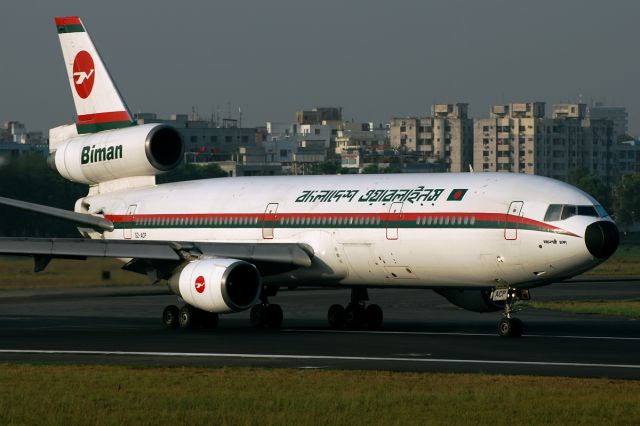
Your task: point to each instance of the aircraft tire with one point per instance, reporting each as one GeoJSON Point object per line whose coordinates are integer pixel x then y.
{"type": "Point", "coordinates": [510, 327]}
{"type": "Point", "coordinates": [354, 315]}
{"type": "Point", "coordinates": [258, 315]}
{"type": "Point", "coordinates": [336, 317]}
{"type": "Point", "coordinates": [373, 317]}
{"type": "Point", "coordinates": [188, 317]}
{"type": "Point", "coordinates": [171, 316]}
{"type": "Point", "coordinates": [274, 316]}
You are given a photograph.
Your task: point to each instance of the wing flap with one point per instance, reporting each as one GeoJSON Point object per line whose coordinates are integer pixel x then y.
{"type": "Point", "coordinates": [276, 253]}
{"type": "Point", "coordinates": [78, 247]}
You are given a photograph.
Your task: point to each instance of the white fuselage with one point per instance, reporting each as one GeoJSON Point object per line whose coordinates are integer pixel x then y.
{"type": "Point", "coordinates": [413, 230]}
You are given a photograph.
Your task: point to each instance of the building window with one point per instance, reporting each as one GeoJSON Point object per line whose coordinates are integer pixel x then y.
{"type": "Point", "coordinates": [403, 128]}
{"type": "Point", "coordinates": [193, 139]}
{"type": "Point", "coordinates": [317, 131]}
{"type": "Point", "coordinates": [227, 139]}
{"type": "Point", "coordinates": [213, 139]}
{"type": "Point", "coordinates": [245, 139]}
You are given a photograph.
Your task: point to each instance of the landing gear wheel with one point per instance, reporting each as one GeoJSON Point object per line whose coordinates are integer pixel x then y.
{"type": "Point", "coordinates": [170, 316]}
{"type": "Point", "coordinates": [188, 317]}
{"type": "Point", "coordinates": [336, 317]}
{"type": "Point", "coordinates": [354, 315]}
{"type": "Point", "coordinates": [373, 317]}
{"type": "Point", "coordinates": [510, 327]}
{"type": "Point", "coordinates": [274, 316]}
{"type": "Point", "coordinates": [258, 315]}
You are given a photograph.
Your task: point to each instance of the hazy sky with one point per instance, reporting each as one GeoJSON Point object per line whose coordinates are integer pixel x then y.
{"type": "Point", "coordinates": [376, 59]}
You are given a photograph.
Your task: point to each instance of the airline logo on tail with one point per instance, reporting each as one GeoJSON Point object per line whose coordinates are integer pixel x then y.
{"type": "Point", "coordinates": [83, 73]}
{"type": "Point", "coordinates": [99, 105]}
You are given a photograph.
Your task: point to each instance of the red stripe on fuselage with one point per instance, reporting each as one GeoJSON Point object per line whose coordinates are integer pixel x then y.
{"type": "Point", "coordinates": [404, 217]}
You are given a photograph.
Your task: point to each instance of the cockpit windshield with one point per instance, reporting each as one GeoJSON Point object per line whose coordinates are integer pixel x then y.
{"type": "Point", "coordinates": [565, 211]}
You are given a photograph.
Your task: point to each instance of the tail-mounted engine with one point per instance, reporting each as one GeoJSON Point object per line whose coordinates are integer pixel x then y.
{"type": "Point", "coordinates": [145, 150]}
{"type": "Point", "coordinates": [218, 285]}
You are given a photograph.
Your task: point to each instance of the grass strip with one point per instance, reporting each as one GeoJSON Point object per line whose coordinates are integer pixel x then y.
{"type": "Point", "coordinates": [623, 308]}
{"type": "Point", "coordinates": [625, 261]}
{"type": "Point", "coordinates": [16, 273]}
{"type": "Point", "coordinates": [111, 395]}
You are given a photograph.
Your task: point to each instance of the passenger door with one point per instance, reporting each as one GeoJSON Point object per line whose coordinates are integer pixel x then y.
{"type": "Point", "coordinates": [269, 220]}
{"type": "Point", "coordinates": [512, 220]}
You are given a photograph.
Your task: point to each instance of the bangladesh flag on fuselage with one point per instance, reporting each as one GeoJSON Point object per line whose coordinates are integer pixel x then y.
{"type": "Point", "coordinates": [457, 194]}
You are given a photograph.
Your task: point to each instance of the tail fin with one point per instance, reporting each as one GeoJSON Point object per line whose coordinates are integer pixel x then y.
{"type": "Point", "coordinates": [99, 104]}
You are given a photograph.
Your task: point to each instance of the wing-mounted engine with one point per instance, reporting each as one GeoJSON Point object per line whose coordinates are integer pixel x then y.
{"type": "Point", "coordinates": [145, 150]}
{"type": "Point", "coordinates": [218, 285]}
{"type": "Point", "coordinates": [472, 299]}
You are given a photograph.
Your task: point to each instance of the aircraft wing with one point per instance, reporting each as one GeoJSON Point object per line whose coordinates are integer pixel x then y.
{"type": "Point", "coordinates": [274, 257]}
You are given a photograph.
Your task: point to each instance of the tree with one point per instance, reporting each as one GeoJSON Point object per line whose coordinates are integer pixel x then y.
{"type": "Point", "coordinates": [592, 185]}
{"type": "Point", "coordinates": [627, 200]}
{"type": "Point", "coordinates": [190, 171]}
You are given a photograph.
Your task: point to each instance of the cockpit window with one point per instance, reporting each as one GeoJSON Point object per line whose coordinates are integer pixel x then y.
{"type": "Point", "coordinates": [587, 211]}
{"type": "Point", "coordinates": [553, 213]}
{"type": "Point", "coordinates": [568, 211]}
{"type": "Point", "coordinates": [565, 211]}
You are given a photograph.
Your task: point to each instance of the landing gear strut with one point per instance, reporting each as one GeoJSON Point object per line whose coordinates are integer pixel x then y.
{"type": "Point", "coordinates": [508, 326]}
{"type": "Point", "coordinates": [356, 314]}
{"type": "Point", "coordinates": [265, 314]}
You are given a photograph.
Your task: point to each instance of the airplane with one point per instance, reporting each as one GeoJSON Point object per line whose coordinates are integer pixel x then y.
{"type": "Point", "coordinates": [226, 245]}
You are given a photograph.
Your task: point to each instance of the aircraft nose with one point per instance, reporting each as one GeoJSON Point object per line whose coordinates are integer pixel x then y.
{"type": "Point", "coordinates": [602, 239]}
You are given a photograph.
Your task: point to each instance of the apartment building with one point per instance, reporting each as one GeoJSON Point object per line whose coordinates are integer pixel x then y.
{"type": "Point", "coordinates": [445, 137]}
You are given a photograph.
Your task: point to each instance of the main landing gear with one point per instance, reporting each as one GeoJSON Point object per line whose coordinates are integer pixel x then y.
{"type": "Point", "coordinates": [188, 317]}
{"type": "Point", "coordinates": [265, 314]}
{"type": "Point", "coordinates": [356, 314]}
{"type": "Point", "coordinates": [508, 326]}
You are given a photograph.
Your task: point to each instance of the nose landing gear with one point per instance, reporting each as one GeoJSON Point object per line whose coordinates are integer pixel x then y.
{"type": "Point", "coordinates": [508, 326]}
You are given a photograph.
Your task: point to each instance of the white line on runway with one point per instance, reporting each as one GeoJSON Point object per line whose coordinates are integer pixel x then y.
{"type": "Point", "coordinates": [434, 333]}
{"type": "Point", "coordinates": [317, 357]}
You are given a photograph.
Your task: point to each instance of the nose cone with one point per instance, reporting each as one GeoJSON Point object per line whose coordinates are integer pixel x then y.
{"type": "Point", "coordinates": [602, 239]}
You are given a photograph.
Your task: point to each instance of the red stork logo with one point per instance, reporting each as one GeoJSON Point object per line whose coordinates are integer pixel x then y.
{"type": "Point", "coordinates": [83, 73]}
{"type": "Point", "coordinates": [200, 284]}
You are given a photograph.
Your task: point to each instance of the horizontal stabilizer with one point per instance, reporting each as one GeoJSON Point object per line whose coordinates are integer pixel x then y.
{"type": "Point", "coordinates": [87, 220]}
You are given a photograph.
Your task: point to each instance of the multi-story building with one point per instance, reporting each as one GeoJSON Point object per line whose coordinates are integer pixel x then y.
{"type": "Point", "coordinates": [445, 137]}
{"type": "Point", "coordinates": [319, 115]}
{"type": "Point", "coordinates": [519, 138]}
{"type": "Point", "coordinates": [207, 141]}
{"type": "Point", "coordinates": [618, 115]}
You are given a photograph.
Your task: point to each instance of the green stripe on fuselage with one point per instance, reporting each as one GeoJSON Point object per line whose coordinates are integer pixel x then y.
{"type": "Point", "coordinates": [239, 224]}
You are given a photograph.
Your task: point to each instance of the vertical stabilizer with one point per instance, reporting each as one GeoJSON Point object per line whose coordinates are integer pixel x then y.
{"type": "Point", "coordinates": [98, 102]}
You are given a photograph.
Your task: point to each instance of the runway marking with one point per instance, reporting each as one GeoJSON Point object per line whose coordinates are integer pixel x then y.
{"type": "Point", "coordinates": [435, 333]}
{"type": "Point", "coordinates": [318, 357]}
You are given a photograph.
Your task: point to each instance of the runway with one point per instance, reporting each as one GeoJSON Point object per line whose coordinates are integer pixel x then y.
{"type": "Point", "coordinates": [421, 332]}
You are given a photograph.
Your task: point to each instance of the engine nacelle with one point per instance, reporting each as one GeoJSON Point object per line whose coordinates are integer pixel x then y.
{"type": "Point", "coordinates": [145, 150]}
{"type": "Point", "coordinates": [218, 285]}
{"type": "Point", "coordinates": [471, 299]}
